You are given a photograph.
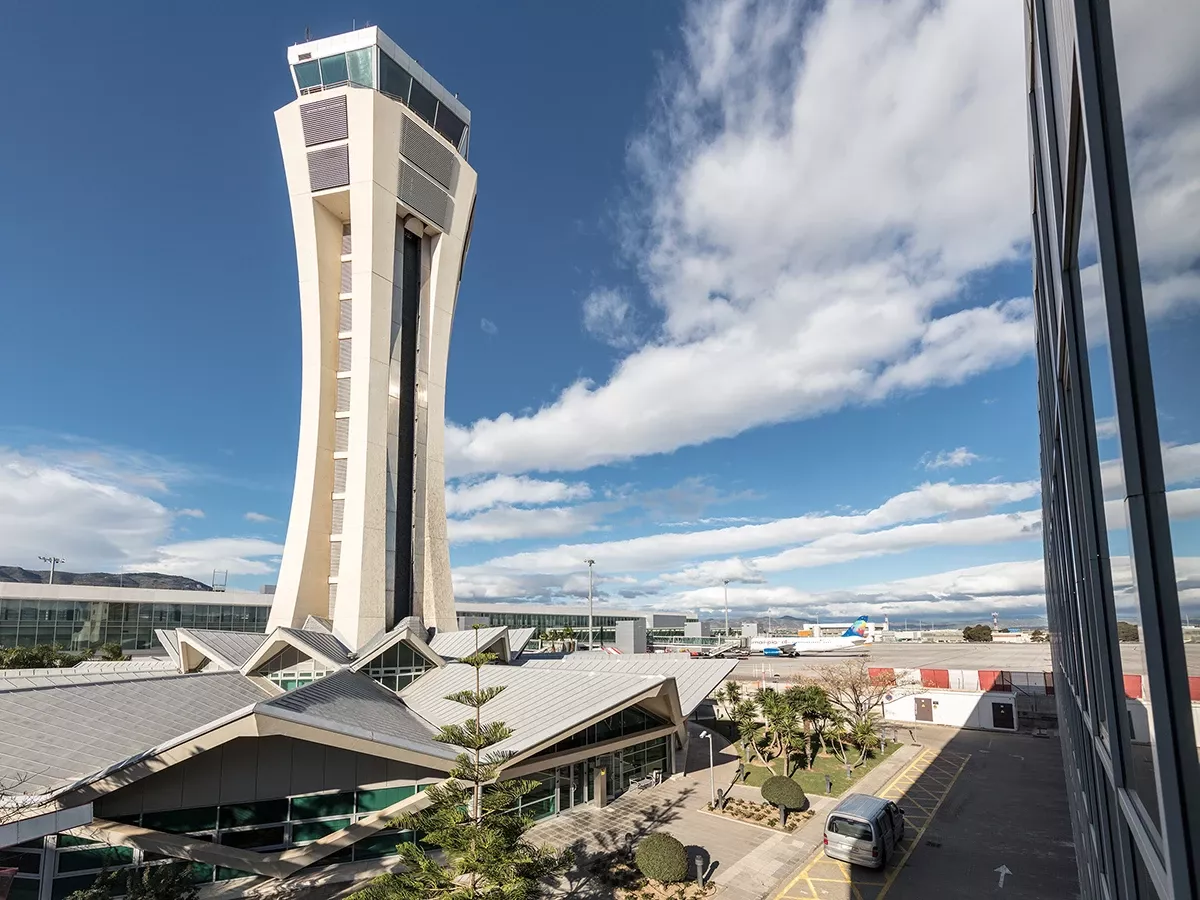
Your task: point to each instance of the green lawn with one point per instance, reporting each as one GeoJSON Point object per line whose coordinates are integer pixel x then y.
{"type": "Point", "coordinates": [813, 779]}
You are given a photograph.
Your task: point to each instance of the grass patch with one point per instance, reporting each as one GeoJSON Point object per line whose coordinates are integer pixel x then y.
{"type": "Point", "coordinates": [812, 779]}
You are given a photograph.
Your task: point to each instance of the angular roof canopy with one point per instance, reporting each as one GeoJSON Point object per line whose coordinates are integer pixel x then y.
{"type": "Point", "coordinates": [695, 678]}
{"type": "Point", "coordinates": [226, 649]}
{"type": "Point", "coordinates": [461, 644]}
{"type": "Point", "coordinates": [54, 736]}
{"type": "Point", "coordinates": [539, 705]}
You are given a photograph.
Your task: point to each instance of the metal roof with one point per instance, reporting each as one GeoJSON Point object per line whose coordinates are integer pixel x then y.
{"type": "Point", "coordinates": [461, 644]}
{"type": "Point", "coordinates": [694, 678]}
{"type": "Point", "coordinates": [538, 704]}
{"type": "Point", "coordinates": [53, 736]}
{"type": "Point", "coordinates": [235, 647]}
{"type": "Point", "coordinates": [325, 644]}
{"type": "Point", "coordinates": [318, 623]}
{"type": "Point", "coordinates": [141, 664]}
{"type": "Point", "coordinates": [353, 704]}
{"type": "Point", "coordinates": [170, 642]}
{"type": "Point", "coordinates": [385, 639]}
{"type": "Point", "coordinates": [10, 681]}
{"type": "Point", "coordinates": [518, 638]}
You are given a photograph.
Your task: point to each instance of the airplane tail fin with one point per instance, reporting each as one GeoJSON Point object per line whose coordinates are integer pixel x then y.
{"type": "Point", "coordinates": [858, 629]}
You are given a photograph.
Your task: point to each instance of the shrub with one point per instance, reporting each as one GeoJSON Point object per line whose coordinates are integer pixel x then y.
{"type": "Point", "coordinates": [784, 793]}
{"type": "Point", "coordinates": [662, 858]}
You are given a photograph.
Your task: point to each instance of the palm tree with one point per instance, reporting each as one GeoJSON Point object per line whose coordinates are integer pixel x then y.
{"type": "Point", "coordinates": [568, 634]}
{"type": "Point", "coordinates": [728, 696]}
{"type": "Point", "coordinates": [789, 729]}
{"type": "Point", "coordinates": [745, 717]}
{"type": "Point", "coordinates": [863, 735]}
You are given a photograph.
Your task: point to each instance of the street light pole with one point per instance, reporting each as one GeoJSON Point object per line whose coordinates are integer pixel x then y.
{"type": "Point", "coordinates": [53, 560]}
{"type": "Point", "coordinates": [712, 783]}
{"type": "Point", "coordinates": [726, 583]}
{"type": "Point", "coordinates": [591, 633]}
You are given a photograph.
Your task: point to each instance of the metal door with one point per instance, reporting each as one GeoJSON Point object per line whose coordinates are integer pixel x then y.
{"type": "Point", "coordinates": [924, 709]}
{"type": "Point", "coordinates": [1002, 716]}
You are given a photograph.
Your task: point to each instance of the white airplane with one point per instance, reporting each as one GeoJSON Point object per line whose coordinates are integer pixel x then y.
{"type": "Point", "coordinates": [853, 636]}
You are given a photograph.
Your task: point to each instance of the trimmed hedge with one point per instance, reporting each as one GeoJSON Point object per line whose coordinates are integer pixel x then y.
{"type": "Point", "coordinates": [785, 794]}
{"type": "Point", "coordinates": [662, 858]}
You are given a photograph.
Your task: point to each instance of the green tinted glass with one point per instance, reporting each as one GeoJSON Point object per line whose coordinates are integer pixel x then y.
{"type": "Point", "coordinates": [178, 821]}
{"type": "Point", "coordinates": [370, 801]}
{"type": "Point", "coordinates": [24, 889]}
{"type": "Point", "coordinates": [253, 839]}
{"type": "Point", "coordinates": [322, 805]}
{"type": "Point", "coordinates": [358, 63]}
{"type": "Point", "coordinates": [262, 813]}
{"type": "Point", "coordinates": [311, 831]}
{"type": "Point", "coordinates": [308, 74]}
{"type": "Point", "coordinates": [101, 858]}
{"type": "Point", "coordinates": [333, 69]}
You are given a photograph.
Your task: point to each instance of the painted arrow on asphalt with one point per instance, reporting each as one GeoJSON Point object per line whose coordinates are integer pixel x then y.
{"type": "Point", "coordinates": [1003, 870]}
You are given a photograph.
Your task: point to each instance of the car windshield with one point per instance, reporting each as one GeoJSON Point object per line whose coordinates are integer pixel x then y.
{"type": "Point", "coordinates": [850, 828]}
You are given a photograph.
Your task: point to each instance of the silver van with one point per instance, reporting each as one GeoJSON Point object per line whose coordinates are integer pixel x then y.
{"type": "Point", "coordinates": [865, 830]}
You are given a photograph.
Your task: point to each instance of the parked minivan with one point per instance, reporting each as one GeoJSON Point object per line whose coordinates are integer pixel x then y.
{"type": "Point", "coordinates": [865, 830]}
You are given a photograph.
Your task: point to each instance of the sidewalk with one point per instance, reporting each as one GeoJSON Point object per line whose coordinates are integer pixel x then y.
{"type": "Point", "coordinates": [745, 861]}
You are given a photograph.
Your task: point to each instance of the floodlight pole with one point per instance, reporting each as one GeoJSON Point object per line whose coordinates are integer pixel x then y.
{"type": "Point", "coordinates": [712, 783]}
{"type": "Point", "coordinates": [726, 583]}
{"type": "Point", "coordinates": [591, 633]}
{"type": "Point", "coordinates": [53, 560]}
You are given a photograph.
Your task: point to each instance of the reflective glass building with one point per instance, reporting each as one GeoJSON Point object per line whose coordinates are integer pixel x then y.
{"type": "Point", "coordinates": [1114, 130]}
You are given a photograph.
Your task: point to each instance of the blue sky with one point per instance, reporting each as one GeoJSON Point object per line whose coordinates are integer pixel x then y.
{"type": "Point", "coordinates": [732, 266]}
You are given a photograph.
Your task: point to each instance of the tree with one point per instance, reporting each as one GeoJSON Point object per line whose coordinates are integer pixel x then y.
{"type": "Point", "coordinates": [43, 656]}
{"type": "Point", "coordinates": [1038, 636]}
{"type": "Point", "coordinates": [1127, 632]}
{"type": "Point", "coordinates": [854, 692]}
{"type": "Point", "coordinates": [662, 858]}
{"type": "Point", "coordinates": [727, 697]}
{"type": "Point", "coordinates": [172, 881]}
{"type": "Point", "coordinates": [745, 717]}
{"type": "Point", "coordinates": [472, 819]}
{"type": "Point", "coordinates": [785, 794]}
{"type": "Point", "coordinates": [18, 797]}
{"type": "Point", "coordinates": [112, 652]}
{"type": "Point", "coordinates": [568, 634]}
{"type": "Point", "coordinates": [864, 736]}
{"type": "Point", "coordinates": [977, 633]}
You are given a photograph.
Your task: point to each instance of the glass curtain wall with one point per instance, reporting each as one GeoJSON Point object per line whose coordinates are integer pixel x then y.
{"type": "Point", "coordinates": [1114, 125]}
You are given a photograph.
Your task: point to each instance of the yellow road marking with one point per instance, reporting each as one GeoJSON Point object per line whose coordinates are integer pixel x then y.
{"type": "Point", "coordinates": [900, 787]}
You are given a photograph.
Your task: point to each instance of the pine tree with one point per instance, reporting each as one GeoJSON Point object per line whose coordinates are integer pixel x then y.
{"type": "Point", "coordinates": [472, 820]}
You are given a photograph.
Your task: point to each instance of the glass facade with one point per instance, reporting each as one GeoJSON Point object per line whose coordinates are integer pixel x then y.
{"type": "Point", "coordinates": [291, 669]}
{"type": "Point", "coordinates": [356, 67]}
{"type": "Point", "coordinates": [74, 863]}
{"type": "Point", "coordinates": [397, 667]}
{"type": "Point", "coordinates": [82, 623]}
{"type": "Point", "coordinates": [1114, 115]}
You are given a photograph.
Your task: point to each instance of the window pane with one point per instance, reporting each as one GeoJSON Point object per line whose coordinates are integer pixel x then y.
{"type": "Point", "coordinates": [261, 813]}
{"type": "Point", "coordinates": [382, 798]}
{"type": "Point", "coordinates": [322, 805]}
{"type": "Point", "coordinates": [308, 74]}
{"type": "Point", "coordinates": [333, 69]}
{"type": "Point", "coordinates": [1100, 372]}
{"type": "Point", "coordinates": [100, 858]}
{"type": "Point", "coordinates": [358, 63]}
{"type": "Point", "coordinates": [311, 831]}
{"type": "Point", "coordinates": [1158, 71]}
{"type": "Point", "coordinates": [450, 126]}
{"type": "Point", "coordinates": [253, 839]}
{"type": "Point", "coordinates": [393, 80]}
{"type": "Point", "coordinates": [422, 102]}
{"type": "Point", "coordinates": [178, 821]}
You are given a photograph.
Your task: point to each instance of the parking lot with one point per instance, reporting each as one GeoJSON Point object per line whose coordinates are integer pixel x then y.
{"type": "Point", "coordinates": [977, 806]}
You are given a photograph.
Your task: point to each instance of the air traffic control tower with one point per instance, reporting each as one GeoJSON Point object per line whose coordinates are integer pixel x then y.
{"type": "Point", "coordinates": [375, 152]}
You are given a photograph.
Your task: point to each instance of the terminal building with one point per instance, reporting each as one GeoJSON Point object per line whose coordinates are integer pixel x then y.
{"type": "Point", "coordinates": [1113, 120]}
{"type": "Point", "coordinates": [279, 759]}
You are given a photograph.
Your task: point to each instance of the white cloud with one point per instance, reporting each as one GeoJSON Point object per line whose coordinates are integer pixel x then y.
{"type": "Point", "coordinates": [198, 559]}
{"type": "Point", "coordinates": [85, 508]}
{"type": "Point", "coordinates": [504, 523]}
{"type": "Point", "coordinates": [257, 517]}
{"type": "Point", "coordinates": [469, 495]}
{"type": "Point", "coordinates": [487, 326]}
{"type": "Point", "coordinates": [949, 459]}
{"type": "Point", "coordinates": [817, 185]}
{"type": "Point", "coordinates": [609, 317]}
{"type": "Point", "coordinates": [653, 553]}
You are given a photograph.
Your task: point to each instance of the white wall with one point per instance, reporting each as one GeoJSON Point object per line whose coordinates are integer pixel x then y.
{"type": "Point", "coordinates": [961, 709]}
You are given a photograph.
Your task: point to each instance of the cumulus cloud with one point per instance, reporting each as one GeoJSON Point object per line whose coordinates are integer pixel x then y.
{"type": "Point", "coordinates": [472, 494]}
{"type": "Point", "coordinates": [504, 523]}
{"type": "Point", "coordinates": [92, 509]}
{"type": "Point", "coordinates": [257, 517]}
{"type": "Point", "coordinates": [949, 459]}
{"type": "Point", "coordinates": [815, 188]}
